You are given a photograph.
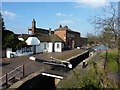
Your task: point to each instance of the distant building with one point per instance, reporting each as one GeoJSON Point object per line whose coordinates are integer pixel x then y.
{"type": "Point", "coordinates": [71, 38]}
{"type": "Point", "coordinates": [83, 41]}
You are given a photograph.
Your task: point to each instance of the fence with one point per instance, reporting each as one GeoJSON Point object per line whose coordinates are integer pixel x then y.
{"type": "Point", "coordinates": [5, 79]}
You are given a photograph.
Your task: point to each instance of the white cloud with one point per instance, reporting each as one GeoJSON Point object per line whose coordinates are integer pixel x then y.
{"type": "Point", "coordinates": [91, 3]}
{"type": "Point", "coordinates": [63, 14]}
{"type": "Point", "coordinates": [9, 14]}
{"type": "Point", "coordinates": [66, 22]}
{"type": "Point", "coordinates": [60, 14]}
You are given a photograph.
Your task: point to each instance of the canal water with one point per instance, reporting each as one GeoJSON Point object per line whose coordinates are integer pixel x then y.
{"type": "Point", "coordinates": [100, 47]}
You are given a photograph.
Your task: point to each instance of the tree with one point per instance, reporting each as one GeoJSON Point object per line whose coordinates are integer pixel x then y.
{"type": "Point", "coordinates": [107, 37]}
{"type": "Point", "coordinates": [2, 22]}
{"type": "Point", "coordinates": [92, 39]}
{"type": "Point", "coordinates": [9, 39]}
{"type": "Point", "coordinates": [106, 19]}
{"type": "Point", "coordinates": [110, 18]}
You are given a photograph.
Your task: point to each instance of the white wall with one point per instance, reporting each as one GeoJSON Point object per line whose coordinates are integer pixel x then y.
{"type": "Point", "coordinates": [8, 51]}
{"type": "Point", "coordinates": [50, 48]}
{"type": "Point", "coordinates": [21, 39]}
{"type": "Point", "coordinates": [18, 52]}
{"type": "Point", "coordinates": [60, 47]}
{"type": "Point", "coordinates": [40, 48]}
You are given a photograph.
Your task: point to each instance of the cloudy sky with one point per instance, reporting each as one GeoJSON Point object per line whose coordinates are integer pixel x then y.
{"type": "Point", "coordinates": [18, 15]}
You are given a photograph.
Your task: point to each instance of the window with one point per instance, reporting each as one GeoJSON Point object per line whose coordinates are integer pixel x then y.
{"type": "Point", "coordinates": [45, 46]}
{"type": "Point", "coordinates": [23, 50]}
{"type": "Point", "coordinates": [30, 50]}
{"type": "Point", "coordinates": [58, 45]}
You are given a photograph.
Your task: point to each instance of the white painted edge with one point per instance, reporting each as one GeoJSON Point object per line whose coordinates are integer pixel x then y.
{"type": "Point", "coordinates": [32, 58]}
{"type": "Point", "coordinates": [50, 75]}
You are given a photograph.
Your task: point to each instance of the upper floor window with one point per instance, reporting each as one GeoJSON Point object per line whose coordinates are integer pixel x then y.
{"type": "Point", "coordinates": [70, 35]}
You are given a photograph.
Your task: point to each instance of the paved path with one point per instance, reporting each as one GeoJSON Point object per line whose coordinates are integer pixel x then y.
{"type": "Point", "coordinates": [32, 66]}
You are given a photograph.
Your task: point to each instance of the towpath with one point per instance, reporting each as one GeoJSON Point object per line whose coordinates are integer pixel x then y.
{"type": "Point", "coordinates": [31, 66]}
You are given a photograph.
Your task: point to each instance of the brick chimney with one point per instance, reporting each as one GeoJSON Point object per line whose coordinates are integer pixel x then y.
{"type": "Point", "coordinates": [33, 26]}
{"type": "Point", "coordinates": [49, 31]}
{"type": "Point", "coordinates": [60, 26]}
{"type": "Point", "coordinates": [66, 26]}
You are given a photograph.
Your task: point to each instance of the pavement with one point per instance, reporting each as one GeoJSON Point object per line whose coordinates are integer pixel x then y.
{"type": "Point", "coordinates": [33, 66]}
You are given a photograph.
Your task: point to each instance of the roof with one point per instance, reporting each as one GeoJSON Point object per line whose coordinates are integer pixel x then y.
{"type": "Point", "coordinates": [24, 36]}
{"type": "Point", "coordinates": [32, 41]}
{"type": "Point", "coordinates": [65, 28]}
{"type": "Point", "coordinates": [41, 30]}
{"type": "Point", "coordinates": [55, 38]}
{"type": "Point", "coordinates": [43, 37]}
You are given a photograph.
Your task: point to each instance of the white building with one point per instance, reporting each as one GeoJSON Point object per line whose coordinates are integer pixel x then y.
{"type": "Point", "coordinates": [37, 43]}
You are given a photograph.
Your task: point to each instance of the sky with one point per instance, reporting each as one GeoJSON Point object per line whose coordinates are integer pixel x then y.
{"type": "Point", "coordinates": [18, 16]}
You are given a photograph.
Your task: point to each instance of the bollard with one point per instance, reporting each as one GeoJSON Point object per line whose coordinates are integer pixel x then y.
{"type": "Point", "coordinates": [23, 70]}
{"type": "Point", "coordinates": [6, 80]}
{"type": "Point", "coordinates": [83, 64]}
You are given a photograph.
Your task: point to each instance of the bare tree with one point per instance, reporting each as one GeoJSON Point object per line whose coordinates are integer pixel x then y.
{"type": "Point", "coordinates": [107, 18]}
{"type": "Point", "coordinates": [92, 39]}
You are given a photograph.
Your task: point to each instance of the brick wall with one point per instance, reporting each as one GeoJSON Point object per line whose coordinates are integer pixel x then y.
{"type": "Point", "coordinates": [61, 34]}
{"type": "Point", "coordinates": [71, 38]}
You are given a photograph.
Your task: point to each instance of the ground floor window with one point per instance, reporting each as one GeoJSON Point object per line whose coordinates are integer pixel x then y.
{"type": "Point", "coordinates": [58, 45]}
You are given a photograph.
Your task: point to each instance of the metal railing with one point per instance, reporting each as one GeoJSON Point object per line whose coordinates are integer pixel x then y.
{"type": "Point", "coordinates": [5, 79]}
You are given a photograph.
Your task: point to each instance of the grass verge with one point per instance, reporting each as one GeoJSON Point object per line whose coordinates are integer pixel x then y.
{"type": "Point", "coordinates": [112, 58]}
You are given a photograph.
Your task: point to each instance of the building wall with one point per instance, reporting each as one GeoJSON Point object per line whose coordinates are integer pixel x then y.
{"type": "Point", "coordinates": [61, 34]}
{"type": "Point", "coordinates": [50, 49]}
{"type": "Point", "coordinates": [22, 52]}
{"type": "Point", "coordinates": [77, 39]}
{"type": "Point", "coordinates": [58, 47]}
{"type": "Point", "coordinates": [71, 38]}
{"type": "Point", "coordinates": [83, 41]}
{"type": "Point", "coordinates": [43, 47]}
{"type": "Point", "coordinates": [39, 48]}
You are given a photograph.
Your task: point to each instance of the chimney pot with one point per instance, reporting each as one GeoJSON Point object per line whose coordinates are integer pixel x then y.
{"type": "Point", "coordinates": [60, 26]}
{"type": "Point", "coordinates": [49, 31]}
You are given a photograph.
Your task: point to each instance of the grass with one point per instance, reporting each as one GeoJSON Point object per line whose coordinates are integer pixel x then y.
{"type": "Point", "coordinates": [93, 77]}
{"type": "Point", "coordinates": [112, 61]}
{"type": "Point", "coordinates": [88, 80]}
